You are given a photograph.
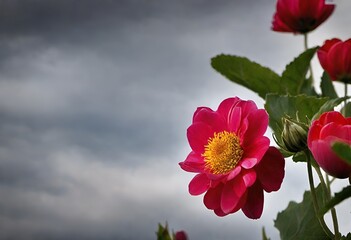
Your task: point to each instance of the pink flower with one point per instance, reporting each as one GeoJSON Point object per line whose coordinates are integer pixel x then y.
{"type": "Point", "coordinates": [300, 16]}
{"type": "Point", "coordinates": [232, 158]}
{"type": "Point", "coordinates": [335, 58]}
{"type": "Point", "coordinates": [329, 128]}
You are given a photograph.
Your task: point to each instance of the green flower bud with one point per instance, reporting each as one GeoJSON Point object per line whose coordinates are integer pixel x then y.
{"type": "Point", "coordinates": [294, 135]}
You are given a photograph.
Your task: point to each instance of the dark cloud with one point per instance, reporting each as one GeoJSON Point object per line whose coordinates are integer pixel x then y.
{"type": "Point", "coordinates": [95, 99]}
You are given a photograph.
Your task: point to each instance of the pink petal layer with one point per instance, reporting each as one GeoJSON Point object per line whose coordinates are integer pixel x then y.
{"type": "Point", "coordinates": [256, 149]}
{"type": "Point", "coordinates": [249, 177]}
{"type": "Point", "coordinates": [328, 160]}
{"type": "Point", "coordinates": [199, 184]}
{"type": "Point", "coordinates": [228, 199]}
{"type": "Point", "coordinates": [226, 106]}
{"type": "Point", "coordinates": [211, 118]}
{"type": "Point", "coordinates": [231, 194]}
{"type": "Point", "coordinates": [248, 163]}
{"type": "Point", "coordinates": [234, 119]}
{"type": "Point", "coordinates": [270, 171]}
{"type": "Point", "coordinates": [193, 163]}
{"type": "Point", "coordinates": [212, 197]}
{"type": "Point", "coordinates": [198, 135]}
{"type": "Point", "coordinates": [253, 207]}
{"type": "Point", "coordinates": [234, 173]}
{"type": "Point", "coordinates": [258, 125]}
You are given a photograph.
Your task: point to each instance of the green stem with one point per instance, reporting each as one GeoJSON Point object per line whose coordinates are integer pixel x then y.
{"type": "Point", "coordinates": [314, 197]}
{"type": "Point", "coordinates": [345, 90]}
{"type": "Point", "coordinates": [327, 194]}
{"type": "Point", "coordinates": [306, 47]}
{"type": "Point", "coordinates": [345, 101]}
{"type": "Point", "coordinates": [321, 178]}
{"type": "Point", "coordinates": [333, 212]}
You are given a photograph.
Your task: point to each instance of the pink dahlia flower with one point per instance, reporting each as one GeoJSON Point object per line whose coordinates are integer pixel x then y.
{"type": "Point", "coordinates": [329, 128]}
{"type": "Point", "coordinates": [232, 158]}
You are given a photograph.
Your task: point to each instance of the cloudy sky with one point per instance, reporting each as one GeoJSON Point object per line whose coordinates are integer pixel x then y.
{"type": "Point", "coordinates": [95, 99]}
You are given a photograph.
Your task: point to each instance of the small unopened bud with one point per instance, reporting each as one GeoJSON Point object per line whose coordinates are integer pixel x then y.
{"type": "Point", "coordinates": [294, 135]}
{"type": "Point", "coordinates": [181, 235]}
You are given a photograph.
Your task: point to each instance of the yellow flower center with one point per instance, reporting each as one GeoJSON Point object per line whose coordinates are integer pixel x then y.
{"type": "Point", "coordinates": [222, 152]}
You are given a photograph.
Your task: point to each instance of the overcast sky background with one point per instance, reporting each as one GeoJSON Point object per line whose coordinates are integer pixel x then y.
{"type": "Point", "coordinates": [95, 99]}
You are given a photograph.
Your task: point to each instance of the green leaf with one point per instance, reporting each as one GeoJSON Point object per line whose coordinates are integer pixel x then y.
{"type": "Point", "coordinates": [346, 110]}
{"type": "Point", "coordinates": [301, 157]}
{"type": "Point", "coordinates": [251, 75]}
{"type": "Point", "coordinates": [294, 76]}
{"type": "Point", "coordinates": [348, 237]}
{"type": "Point", "coordinates": [338, 198]}
{"type": "Point", "coordinates": [299, 221]}
{"type": "Point", "coordinates": [301, 108]}
{"type": "Point", "coordinates": [343, 150]}
{"type": "Point", "coordinates": [264, 235]}
{"type": "Point", "coordinates": [328, 106]}
{"type": "Point", "coordinates": [327, 87]}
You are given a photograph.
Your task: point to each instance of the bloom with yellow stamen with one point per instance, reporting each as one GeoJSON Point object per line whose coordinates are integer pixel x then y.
{"type": "Point", "coordinates": [232, 158]}
{"type": "Point", "coordinates": [222, 152]}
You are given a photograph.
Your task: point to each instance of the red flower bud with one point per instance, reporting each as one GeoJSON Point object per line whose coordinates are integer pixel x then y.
{"type": "Point", "coordinates": [181, 235]}
{"type": "Point", "coordinates": [335, 58]}
{"type": "Point", "coordinates": [300, 16]}
{"type": "Point", "coordinates": [331, 127]}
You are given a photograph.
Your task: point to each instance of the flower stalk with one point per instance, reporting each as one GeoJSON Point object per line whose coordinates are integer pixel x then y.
{"type": "Point", "coordinates": [305, 37]}
{"type": "Point", "coordinates": [327, 194]}
{"type": "Point", "coordinates": [314, 197]}
{"type": "Point", "coordinates": [345, 101]}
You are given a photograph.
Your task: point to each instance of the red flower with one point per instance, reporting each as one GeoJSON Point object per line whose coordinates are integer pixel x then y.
{"type": "Point", "coordinates": [300, 16]}
{"type": "Point", "coordinates": [335, 58]}
{"type": "Point", "coordinates": [232, 158]}
{"type": "Point", "coordinates": [329, 128]}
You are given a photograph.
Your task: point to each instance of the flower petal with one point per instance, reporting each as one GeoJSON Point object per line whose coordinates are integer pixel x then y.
{"type": "Point", "coordinates": [247, 108]}
{"type": "Point", "coordinates": [270, 171]}
{"type": "Point", "coordinates": [198, 135]}
{"type": "Point", "coordinates": [258, 123]}
{"type": "Point", "coordinates": [234, 119]}
{"type": "Point", "coordinates": [212, 198]}
{"type": "Point", "coordinates": [239, 186]}
{"type": "Point", "coordinates": [234, 173]}
{"type": "Point", "coordinates": [323, 53]}
{"type": "Point", "coordinates": [220, 213]}
{"type": "Point", "coordinates": [228, 199]}
{"type": "Point", "coordinates": [249, 177]}
{"type": "Point", "coordinates": [231, 194]}
{"type": "Point", "coordinates": [240, 204]}
{"type": "Point", "coordinates": [313, 133]}
{"type": "Point", "coordinates": [199, 184]}
{"type": "Point", "coordinates": [253, 207]}
{"type": "Point", "coordinates": [248, 163]}
{"type": "Point", "coordinates": [328, 160]}
{"type": "Point", "coordinates": [199, 109]}
{"type": "Point", "coordinates": [226, 106]}
{"type": "Point", "coordinates": [193, 163]}
{"type": "Point", "coordinates": [211, 118]}
{"type": "Point", "coordinates": [256, 149]}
